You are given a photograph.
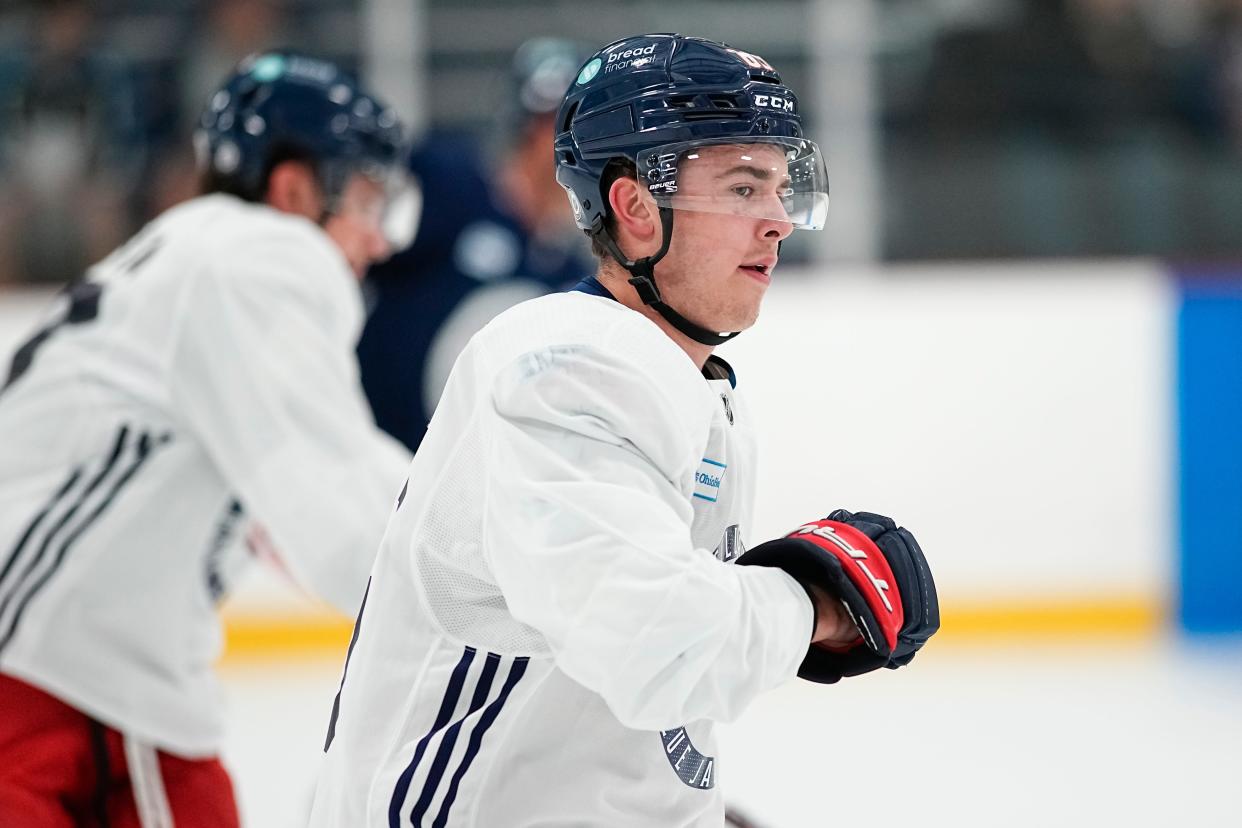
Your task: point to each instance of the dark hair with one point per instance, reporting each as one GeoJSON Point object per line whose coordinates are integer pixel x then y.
{"type": "Point", "coordinates": [210, 181]}
{"type": "Point", "coordinates": [616, 169]}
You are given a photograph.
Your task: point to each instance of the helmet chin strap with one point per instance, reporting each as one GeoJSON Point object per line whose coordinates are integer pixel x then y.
{"type": "Point", "coordinates": [642, 277]}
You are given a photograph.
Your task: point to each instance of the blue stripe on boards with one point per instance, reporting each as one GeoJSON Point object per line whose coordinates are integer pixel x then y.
{"type": "Point", "coordinates": [1210, 445]}
{"type": "Point", "coordinates": [19, 584]}
{"type": "Point", "coordinates": [449, 740]}
{"type": "Point", "coordinates": [447, 706]}
{"type": "Point", "coordinates": [476, 739]}
{"type": "Point", "coordinates": [143, 450]}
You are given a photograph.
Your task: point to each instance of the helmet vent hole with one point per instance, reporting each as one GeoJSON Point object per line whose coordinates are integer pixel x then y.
{"type": "Point", "coordinates": [758, 78]}
{"type": "Point", "coordinates": [698, 107]}
{"type": "Point", "coordinates": [569, 116]}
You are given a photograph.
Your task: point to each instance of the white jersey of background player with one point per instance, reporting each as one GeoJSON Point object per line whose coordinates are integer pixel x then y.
{"type": "Point", "coordinates": [552, 626]}
{"type": "Point", "coordinates": [201, 375]}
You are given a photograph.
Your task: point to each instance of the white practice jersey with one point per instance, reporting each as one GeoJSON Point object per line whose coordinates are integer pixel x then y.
{"type": "Point", "coordinates": [551, 627]}
{"type": "Point", "coordinates": [201, 376]}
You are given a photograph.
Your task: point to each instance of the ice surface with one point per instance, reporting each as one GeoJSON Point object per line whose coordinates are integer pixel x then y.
{"type": "Point", "coordinates": [1102, 734]}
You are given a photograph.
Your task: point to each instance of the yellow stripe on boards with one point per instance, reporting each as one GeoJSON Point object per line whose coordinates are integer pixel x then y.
{"type": "Point", "coordinates": [294, 636]}
{"type": "Point", "coordinates": [1078, 619]}
{"type": "Point", "coordinates": [248, 637]}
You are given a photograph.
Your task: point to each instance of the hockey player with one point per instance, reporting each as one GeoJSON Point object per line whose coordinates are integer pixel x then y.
{"type": "Point", "coordinates": [556, 619]}
{"type": "Point", "coordinates": [200, 376]}
{"type": "Point", "coordinates": [493, 238]}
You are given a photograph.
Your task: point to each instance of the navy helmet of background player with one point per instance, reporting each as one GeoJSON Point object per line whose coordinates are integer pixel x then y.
{"type": "Point", "coordinates": [495, 234]}
{"type": "Point", "coordinates": [282, 106]}
{"type": "Point", "coordinates": [707, 128]}
{"type": "Point", "coordinates": [643, 106]}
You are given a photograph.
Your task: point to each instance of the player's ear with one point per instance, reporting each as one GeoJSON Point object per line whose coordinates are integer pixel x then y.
{"type": "Point", "coordinates": [292, 188]}
{"type": "Point", "coordinates": [635, 213]}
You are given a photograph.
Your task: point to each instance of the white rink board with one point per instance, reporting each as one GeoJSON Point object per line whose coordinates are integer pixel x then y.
{"type": "Point", "coordinates": [1018, 417]}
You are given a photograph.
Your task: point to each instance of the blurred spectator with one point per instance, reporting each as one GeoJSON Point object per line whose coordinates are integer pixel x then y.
{"type": "Point", "coordinates": [1082, 69]}
{"type": "Point", "coordinates": [229, 31]}
{"type": "Point", "coordinates": [1223, 53]}
{"type": "Point", "coordinates": [1115, 36]}
{"type": "Point", "coordinates": [71, 145]}
{"type": "Point", "coordinates": [490, 236]}
{"type": "Point", "coordinates": [1088, 111]}
{"type": "Point", "coordinates": [1065, 127]}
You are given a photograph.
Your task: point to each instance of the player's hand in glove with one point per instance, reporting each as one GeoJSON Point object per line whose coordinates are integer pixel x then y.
{"type": "Point", "coordinates": [878, 573]}
{"type": "Point", "coordinates": [834, 628]}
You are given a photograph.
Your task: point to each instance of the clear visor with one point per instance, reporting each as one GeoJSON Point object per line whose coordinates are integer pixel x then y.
{"type": "Point", "coordinates": [385, 198]}
{"type": "Point", "coordinates": [403, 210]}
{"type": "Point", "coordinates": [774, 179]}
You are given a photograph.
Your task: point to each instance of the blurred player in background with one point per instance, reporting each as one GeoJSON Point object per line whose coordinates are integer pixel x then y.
{"type": "Point", "coordinates": [200, 376]}
{"type": "Point", "coordinates": [493, 238]}
{"type": "Point", "coordinates": [554, 622]}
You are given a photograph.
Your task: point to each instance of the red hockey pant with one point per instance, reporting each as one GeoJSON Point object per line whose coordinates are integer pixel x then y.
{"type": "Point", "coordinates": [61, 769]}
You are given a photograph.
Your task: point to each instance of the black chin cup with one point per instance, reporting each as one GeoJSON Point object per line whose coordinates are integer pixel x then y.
{"type": "Point", "coordinates": [642, 278]}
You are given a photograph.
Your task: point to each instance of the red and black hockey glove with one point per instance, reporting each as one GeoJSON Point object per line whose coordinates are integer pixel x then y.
{"type": "Point", "coordinates": [878, 572]}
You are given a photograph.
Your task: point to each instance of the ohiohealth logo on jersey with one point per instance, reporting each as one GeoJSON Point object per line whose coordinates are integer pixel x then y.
{"type": "Point", "coordinates": [708, 478]}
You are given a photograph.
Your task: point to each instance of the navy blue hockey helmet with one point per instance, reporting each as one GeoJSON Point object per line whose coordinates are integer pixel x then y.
{"type": "Point", "coordinates": [281, 104]}
{"type": "Point", "coordinates": [657, 101]}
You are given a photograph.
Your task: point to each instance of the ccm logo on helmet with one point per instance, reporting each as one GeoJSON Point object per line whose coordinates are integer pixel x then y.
{"type": "Point", "coordinates": [857, 555]}
{"type": "Point", "coordinates": [775, 102]}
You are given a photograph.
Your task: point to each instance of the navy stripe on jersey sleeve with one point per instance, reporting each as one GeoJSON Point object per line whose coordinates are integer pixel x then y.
{"type": "Point", "coordinates": [141, 452]}
{"type": "Point", "coordinates": [477, 719]}
{"type": "Point", "coordinates": [447, 706]}
{"type": "Point", "coordinates": [34, 525]}
{"type": "Point", "coordinates": [476, 739]}
{"type": "Point", "coordinates": [20, 586]}
{"type": "Point", "coordinates": [449, 740]}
